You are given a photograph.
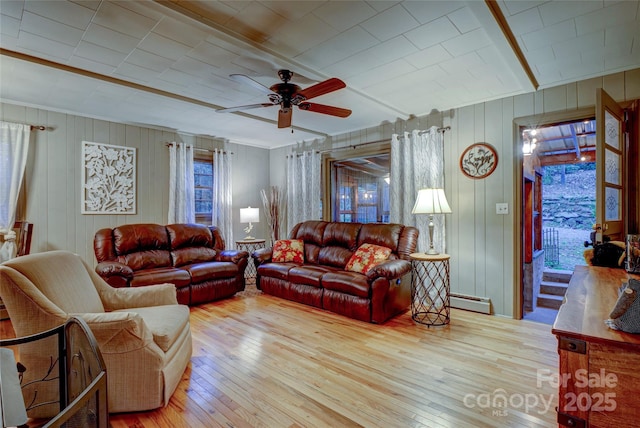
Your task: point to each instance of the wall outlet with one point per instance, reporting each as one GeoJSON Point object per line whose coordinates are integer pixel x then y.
{"type": "Point", "coordinates": [502, 208]}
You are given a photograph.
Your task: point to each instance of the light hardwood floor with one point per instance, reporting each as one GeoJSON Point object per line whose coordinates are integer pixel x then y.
{"type": "Point", "coordinates": [260, 361]}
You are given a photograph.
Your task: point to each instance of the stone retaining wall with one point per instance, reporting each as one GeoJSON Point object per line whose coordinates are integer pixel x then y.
{"type": "Point", "coordinates": [567, 211]}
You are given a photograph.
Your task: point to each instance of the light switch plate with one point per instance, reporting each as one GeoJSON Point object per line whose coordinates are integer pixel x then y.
{"type": "Point", "coordinates": [502, 208]}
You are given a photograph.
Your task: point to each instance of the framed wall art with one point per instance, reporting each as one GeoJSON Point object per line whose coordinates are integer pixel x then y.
{"type": "Point", "coordinates": [478, 160]}
{"type": "Point", "coordinates": [108, 179]}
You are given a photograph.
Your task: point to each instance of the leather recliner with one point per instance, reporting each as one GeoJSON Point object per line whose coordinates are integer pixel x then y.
{"type": "Point", "coordinates": [190, 256]}
{"type": "Point", "coordinates": [322, 281]}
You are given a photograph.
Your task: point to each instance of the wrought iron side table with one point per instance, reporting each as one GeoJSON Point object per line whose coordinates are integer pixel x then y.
{"type": "Point", "coordinates": [430, 298]}
{"type": "Point", "coordinates": [250, 245]}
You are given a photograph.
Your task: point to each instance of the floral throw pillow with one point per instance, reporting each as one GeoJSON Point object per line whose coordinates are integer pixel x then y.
{"type": "Point", "coordinates": [366, 257]}
{"type": "Point", "coordinates": [288, 250]}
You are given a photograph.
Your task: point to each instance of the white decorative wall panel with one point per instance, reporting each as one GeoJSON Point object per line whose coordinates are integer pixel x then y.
{"type": "Point", "coordinates": [108, 179]}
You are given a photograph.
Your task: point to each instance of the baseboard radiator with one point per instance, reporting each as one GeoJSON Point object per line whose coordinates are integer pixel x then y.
{"type": "Point", "coordinates": [471, 303]}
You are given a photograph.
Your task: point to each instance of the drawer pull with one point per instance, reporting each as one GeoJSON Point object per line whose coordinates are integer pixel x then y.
{"type": "Point", "coordinates": [572, 345]}
{"type": "Point", "coordinates": [570, 421]}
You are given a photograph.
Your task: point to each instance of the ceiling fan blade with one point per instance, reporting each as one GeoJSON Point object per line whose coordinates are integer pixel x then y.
{"type": "Point", "coordinates": [240, 108]}
{"type": "Point", "coordinates": [241, 78]}
{"type": "Point", "coordinates": [321, 88]}
{"type": "Point", "coordinates": [284, 117]}
{"type": "Point", "coordinates": [324, 109]}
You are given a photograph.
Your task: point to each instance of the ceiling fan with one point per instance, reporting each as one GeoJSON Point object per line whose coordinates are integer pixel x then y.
{"type": "Point", "coordinates": [287, 95]}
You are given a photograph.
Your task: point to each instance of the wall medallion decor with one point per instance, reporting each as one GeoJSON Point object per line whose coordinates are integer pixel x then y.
{"type": "Point", "coordinates": [108, 179]}
{"type": "Point", "coordinates": [478, 160]}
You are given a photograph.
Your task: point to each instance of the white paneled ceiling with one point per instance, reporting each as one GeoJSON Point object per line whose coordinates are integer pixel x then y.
{"type": "Point", "coordinates": [167, 63]}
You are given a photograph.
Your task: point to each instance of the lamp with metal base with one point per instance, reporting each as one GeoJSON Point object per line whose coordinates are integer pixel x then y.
{"type": "Point", "coordinates": [431, 201]}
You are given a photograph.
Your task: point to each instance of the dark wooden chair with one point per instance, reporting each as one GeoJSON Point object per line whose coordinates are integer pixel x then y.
{"type": "Point", "coordinates": [23, 237]}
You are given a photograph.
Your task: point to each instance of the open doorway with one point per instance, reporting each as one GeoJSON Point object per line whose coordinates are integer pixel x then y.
{"type": "Point", "coordinates": [568, 213]}
{"type": "Point", "coordinates": [559, 189]}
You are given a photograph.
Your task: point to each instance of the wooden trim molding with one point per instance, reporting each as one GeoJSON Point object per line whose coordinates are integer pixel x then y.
{"type": "Point", "coordinates": [508, 34]}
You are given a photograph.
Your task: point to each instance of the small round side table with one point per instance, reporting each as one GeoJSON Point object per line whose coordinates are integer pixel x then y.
{"type": "Point", "coordinates": [430, 299]}
{"type": "Point", "coordinates": [250, 245]}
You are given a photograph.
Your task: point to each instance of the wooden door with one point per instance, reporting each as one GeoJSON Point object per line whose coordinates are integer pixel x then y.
{"type": "Point", "coordinates": [610, 161]}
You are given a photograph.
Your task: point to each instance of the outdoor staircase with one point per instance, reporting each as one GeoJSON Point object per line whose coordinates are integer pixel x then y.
{"type": "Point", "coordinates": [552, 288]}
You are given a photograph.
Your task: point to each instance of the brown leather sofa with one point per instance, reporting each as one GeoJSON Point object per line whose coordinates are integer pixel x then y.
{"type": "Point", "coordinates": [190, 256]}
{"type": "Point", "coordinates": [322, 280]}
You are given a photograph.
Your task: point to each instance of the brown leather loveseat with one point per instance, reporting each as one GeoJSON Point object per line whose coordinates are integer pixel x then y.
{"type": "Point", "coordinates": [321, 279]}
{"type": "Point", "coordinates": [190, 256]}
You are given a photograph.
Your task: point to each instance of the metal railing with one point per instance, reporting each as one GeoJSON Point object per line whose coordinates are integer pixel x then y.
{"type": "Point", "coordinates": [551, 247]}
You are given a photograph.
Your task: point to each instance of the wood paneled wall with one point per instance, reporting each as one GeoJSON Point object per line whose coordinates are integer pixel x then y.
{"type": "Point", "coordinates": [483, 245]}
{"type": "Point", "coordinates": [52, 188]}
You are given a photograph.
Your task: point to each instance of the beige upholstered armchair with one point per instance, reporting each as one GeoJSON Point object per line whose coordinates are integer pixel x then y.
{"type": "Point", "coordinates": [143, 334]}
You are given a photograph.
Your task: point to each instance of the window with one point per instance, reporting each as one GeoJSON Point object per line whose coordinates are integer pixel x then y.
{"type": "Point", "coordinates": [359, 188]}
{"type": "Point", "coordinates": [203, 186]}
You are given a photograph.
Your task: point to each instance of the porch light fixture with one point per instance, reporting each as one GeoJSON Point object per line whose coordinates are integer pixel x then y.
{"type": "Point", "coordinates": [431, 201]}
{"type": "Point", "coordinates": [529, 141]}
{"type": "Point", "coordinates": [249, 215]}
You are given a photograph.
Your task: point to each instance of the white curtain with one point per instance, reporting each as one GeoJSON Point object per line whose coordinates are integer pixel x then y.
{"type": "Point", "coordinates": [222, 200]}
{"type": "Point", "coordinates": [181, 184]}
{"type": "Point", "coordinates": [303, 188]}
{"type": "Point", "coordinates": [417, 161]}
{"type": "Point", "coordinates": [14, 147]}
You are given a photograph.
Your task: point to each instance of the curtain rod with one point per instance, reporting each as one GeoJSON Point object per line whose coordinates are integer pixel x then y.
{"type": "Point", "coordinates": [196, 149]}
{"type": "Point", "coordinates": [446, 128]}
{"type": "Point", "coordinates": [31, 127]}
{"type": "Point", "coordinates": [353, 146]}
{"type": "Point", "coordinates": [301, 154]}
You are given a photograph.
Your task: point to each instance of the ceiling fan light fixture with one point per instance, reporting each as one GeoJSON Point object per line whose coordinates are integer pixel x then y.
{"type": "Point", "coordinates": [297, 99]}
{"type": "Point", "coordinates": [288, 94]}
{"type": "Point", "coordinates": [275, 98]}
{"type": "Point", "coordinates": [529, 141]}
{"type": "Point", "coordinates": [285, 75]}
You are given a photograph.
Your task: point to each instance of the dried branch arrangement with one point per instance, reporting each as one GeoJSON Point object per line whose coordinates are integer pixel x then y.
{"type": "Point", "coordinates": [274, 200]}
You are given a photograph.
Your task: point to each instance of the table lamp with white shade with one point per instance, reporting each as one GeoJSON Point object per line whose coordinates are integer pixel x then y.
{"type": "Point", "coordinates": [249, 215]}
{"type": "Point", "coordinates": [431, 201]}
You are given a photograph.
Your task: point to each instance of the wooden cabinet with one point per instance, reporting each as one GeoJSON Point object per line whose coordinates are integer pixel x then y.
{"type": "Point", "coordinates": [599, 370]}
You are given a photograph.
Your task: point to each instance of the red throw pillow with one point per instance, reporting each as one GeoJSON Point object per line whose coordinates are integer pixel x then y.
{"type": "Point", "coordinates": [288, 250]}
{"type": "Point", "coordinates": [366, 257]}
